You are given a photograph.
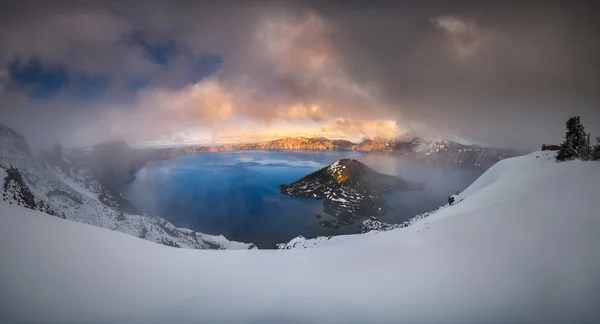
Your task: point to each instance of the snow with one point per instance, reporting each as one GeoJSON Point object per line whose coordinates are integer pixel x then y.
{"type": "Point", "coordinates": [339, 199]}
{"type": "Point", "coordinates": [74, 194]}
{"type": "Point", "coordinates": [300, 242]}
{"type": "Point", "coordinates": [519, 246]}
{"type": "Point", "coordinates": [220, 240]}
{"type": "Point", "coordinates": [186, 231]}
{"type": "Point", "coordinates": [523, 178]}
{"type": "Point", "coordinates": [75, 186]}
{"type": "Point", "coordinates": [223, 242]}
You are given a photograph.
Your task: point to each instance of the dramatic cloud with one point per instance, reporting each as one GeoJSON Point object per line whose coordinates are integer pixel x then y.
{"type": "Point", "coordinates": [313, 112]}
{"type": "Point", "coordinates": [490, 73]}
{"type": "Point", "coordinates": [303, 80]}
{"type": "Point", "coordinates": [466, 39]}
{"type": "Point", "coordinates": [365, 128]}
{"type": "Point", "coordinates": [206, 100]}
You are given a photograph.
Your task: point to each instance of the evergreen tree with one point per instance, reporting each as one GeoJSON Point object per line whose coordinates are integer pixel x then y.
{"type": "Point", "coordinates": [589, 147]}
{"type": "Point", "coordinates": [575, 144]}
{"type": "Point", "coordinates": [586, 152]}
{"type": "Point", "coordinates": [596, 150]}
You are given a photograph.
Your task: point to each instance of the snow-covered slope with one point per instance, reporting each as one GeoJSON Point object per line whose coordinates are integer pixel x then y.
{"type": "Point", "coordinates": [449, 152]}
{"type": "Point", "coordinates": [520, 246]}
{"type": "Point", "coordinates": [69, 191]}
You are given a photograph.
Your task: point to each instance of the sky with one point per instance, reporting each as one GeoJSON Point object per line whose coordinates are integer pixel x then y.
{"type": "Point", "coordinates": [503, 74]}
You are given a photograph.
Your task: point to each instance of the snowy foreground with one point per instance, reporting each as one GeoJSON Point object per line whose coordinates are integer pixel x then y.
{"type": "Point", "coordinates": [522, 245]}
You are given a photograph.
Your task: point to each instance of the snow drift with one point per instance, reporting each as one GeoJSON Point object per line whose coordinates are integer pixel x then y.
{"type": "Point", "coordinates": [521, 245]}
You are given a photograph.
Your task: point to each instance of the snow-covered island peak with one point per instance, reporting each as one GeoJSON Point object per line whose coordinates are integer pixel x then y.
{"type": "Point", "coordinates": [350, 189]}
{"type": "Point", "coordinates": [349, 173]}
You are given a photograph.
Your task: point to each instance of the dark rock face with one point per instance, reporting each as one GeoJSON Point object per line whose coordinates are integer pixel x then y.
{"type": "Point", "coordinates": [351, 190]}
{"type": "Point", "coordinates": [550, 147]}
{"type": "Point", "coordinates": [16, 191]}
{"type": "Point", "coordinates": [451, 199]}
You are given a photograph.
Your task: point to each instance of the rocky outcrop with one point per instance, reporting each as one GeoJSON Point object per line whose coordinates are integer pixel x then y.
{"type": "Point", "coordinates": [345, 173]}
{"type": "Point", "coordinates": [16, 191]}
{"type": "Point", "coordinates": [350, 189]}
{"type": "Point", "coordinates": [373, 224]}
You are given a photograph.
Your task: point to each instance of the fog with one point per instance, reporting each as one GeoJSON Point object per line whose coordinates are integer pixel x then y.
{"type": "Point", "coordinates": [504, 75]}
{"type": "Point", "coordinates": [440, 180]}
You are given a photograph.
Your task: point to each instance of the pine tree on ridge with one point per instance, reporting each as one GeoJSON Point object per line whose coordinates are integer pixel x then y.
{"type": "Point", "coordinates": [575, 145]}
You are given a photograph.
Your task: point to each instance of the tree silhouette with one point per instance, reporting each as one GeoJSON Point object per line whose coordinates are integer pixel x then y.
{"type": "Point", "coordinates": [596, 150]}
{"type": "Point", "coordinates": [576, 144]}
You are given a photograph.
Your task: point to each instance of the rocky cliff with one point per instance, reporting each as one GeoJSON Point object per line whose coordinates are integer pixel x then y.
{"type": "Point", "coordinates": [433, 152]}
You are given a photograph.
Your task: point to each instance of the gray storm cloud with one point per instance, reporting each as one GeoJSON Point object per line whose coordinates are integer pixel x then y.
{"type": "Point", "coordinates": [466, 38]}
{"type": "Point", "coordinates": [491, 73]}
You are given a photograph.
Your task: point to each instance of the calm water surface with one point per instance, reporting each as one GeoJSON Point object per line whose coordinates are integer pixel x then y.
{"type": "Point", "coordinates": [235, 193]}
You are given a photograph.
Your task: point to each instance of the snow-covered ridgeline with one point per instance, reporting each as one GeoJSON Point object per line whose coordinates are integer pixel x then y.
{"type": "Point", "coordinates": [59, 187]}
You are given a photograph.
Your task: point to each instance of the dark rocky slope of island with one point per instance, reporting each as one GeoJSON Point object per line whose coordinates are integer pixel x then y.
{"type": "Point", "coordinates": [351, 190]}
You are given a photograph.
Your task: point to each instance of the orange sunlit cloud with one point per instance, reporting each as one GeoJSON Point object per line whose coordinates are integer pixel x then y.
{"type": "Point", "coordinates": [309, 94]}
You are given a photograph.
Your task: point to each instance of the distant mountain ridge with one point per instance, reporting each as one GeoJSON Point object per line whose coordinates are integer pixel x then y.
{"type": "Point", "coordinates": [435, 152]}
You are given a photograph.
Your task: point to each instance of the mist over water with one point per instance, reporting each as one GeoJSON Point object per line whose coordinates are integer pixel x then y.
{"type": "Point", "coordinates": [236, 194]}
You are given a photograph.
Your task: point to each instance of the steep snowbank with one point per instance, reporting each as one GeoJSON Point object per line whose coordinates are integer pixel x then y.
{"type": "Point", "coordinates": [521, 246]}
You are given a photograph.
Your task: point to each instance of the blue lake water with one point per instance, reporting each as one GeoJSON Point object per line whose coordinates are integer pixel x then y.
{"type": "Point", "coordinates": [235, 193]}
